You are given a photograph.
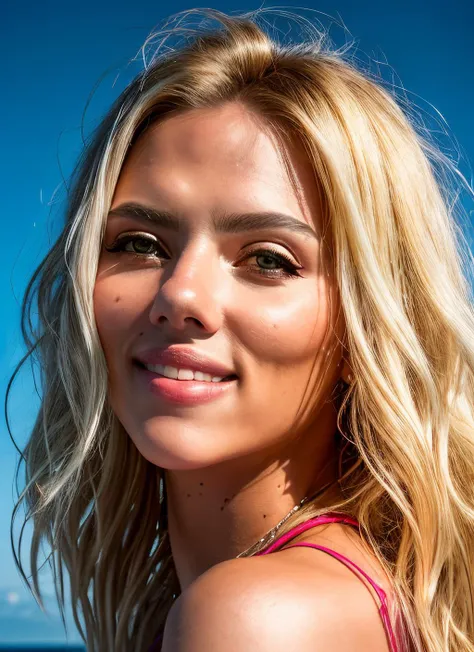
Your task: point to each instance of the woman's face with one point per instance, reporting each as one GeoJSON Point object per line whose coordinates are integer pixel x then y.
{"type": "Point", "coordinates": [267, 317]}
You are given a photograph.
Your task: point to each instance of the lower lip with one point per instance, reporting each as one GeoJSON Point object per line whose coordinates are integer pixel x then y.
{"type": "Point", "coordinates": [185, 392]}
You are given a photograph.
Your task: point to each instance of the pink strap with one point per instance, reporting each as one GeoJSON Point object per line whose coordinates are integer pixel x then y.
{"type": "Point", "coordinates": [320, 520]}
{"type": "Point", "coordinates": [302, 527]}
{"type": "Point", "coordinates": [383, 609]}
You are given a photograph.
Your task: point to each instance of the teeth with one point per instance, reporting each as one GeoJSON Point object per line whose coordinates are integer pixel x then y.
{"type": "Point", "coordinates": [170, 372]}
{"type": "Point", "coordinates": [182, 374]}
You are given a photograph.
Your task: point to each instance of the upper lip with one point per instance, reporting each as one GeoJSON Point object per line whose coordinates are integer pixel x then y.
{"type": "Point", "coordinates": [185, 358]}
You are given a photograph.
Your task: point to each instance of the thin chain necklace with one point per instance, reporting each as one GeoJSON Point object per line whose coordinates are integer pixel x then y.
{"type": "Point", "coordinates": [270, 535]}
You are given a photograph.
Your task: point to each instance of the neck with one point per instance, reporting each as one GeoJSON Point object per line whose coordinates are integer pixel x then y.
{"type": "Point", "coordinates": [217, 512]}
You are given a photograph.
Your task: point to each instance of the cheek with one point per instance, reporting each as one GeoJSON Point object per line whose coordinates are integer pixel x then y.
{"type": "Point", "coordinates": [289, 329]}
{"type": "Point", "coordinates": [119, 309]}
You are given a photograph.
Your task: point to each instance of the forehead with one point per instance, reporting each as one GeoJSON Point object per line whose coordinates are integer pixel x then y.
{"type": "Point", "coordinates": [226, 151]}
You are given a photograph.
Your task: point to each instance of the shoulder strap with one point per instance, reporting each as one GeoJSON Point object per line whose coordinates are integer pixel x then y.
{"type": "Point", "coordinates": [307, 525]}
{"type": "Point", "coordinates": [337, 518]}
{"type": "Point", "coordinates": [383, 609]}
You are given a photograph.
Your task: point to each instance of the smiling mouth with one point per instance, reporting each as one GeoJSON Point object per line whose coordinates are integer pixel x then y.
{"type": "Point", "coordinates": [185, 380]}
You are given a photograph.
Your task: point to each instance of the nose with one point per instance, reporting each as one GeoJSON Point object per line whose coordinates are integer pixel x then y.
{"type": "Point", "coordinates": [191, 292]}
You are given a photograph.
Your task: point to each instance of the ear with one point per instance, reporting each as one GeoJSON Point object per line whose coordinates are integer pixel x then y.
{"type": "Point", "coordinates": [347, 375]}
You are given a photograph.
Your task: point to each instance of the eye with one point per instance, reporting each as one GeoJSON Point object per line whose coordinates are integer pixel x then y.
{"type": "Point", "coordinates": [270, 261]}
{"type": "Point", "coordinates": [140, 244]}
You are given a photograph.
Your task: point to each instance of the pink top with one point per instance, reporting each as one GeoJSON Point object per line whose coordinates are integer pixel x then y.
{"type": "Point", "coordinates": [345, 520]}
{"type": "Point", "coordinates": [311, 523]}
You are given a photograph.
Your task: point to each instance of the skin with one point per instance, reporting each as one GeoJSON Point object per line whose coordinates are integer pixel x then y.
{"type": "Point", "coordinates": [237, 465]}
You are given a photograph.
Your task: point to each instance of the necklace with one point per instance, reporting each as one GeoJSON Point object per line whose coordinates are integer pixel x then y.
{"type": "Point", "coordinates": [270, 535]}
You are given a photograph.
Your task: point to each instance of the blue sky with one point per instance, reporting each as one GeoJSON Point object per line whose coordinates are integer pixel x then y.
{"type": "Point", "coordinates": [54, 56]}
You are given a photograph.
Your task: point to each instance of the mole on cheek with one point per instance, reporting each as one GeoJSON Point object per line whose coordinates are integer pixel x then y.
{"type": "Point", "coordinates": [117, 299]}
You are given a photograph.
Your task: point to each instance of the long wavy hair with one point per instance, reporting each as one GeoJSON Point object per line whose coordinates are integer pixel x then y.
{"type": "Point", "coordinates": [402, 266]}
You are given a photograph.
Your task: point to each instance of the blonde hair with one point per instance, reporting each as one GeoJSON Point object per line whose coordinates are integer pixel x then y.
{"type": "Point", "coordinates": [402, 270]}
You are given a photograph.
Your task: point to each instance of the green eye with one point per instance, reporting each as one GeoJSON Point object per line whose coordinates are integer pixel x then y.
{"type": "Point", "coordinates": [273, 263]}
{"type": "Point", "coordinates": [140, 246]}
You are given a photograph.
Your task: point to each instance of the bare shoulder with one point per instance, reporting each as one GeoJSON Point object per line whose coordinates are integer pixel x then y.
{"type": "Point", "coordinates": [275, 602]}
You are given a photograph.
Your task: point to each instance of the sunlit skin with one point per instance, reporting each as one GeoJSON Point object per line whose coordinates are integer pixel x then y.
{"type": "Point", "coordinates": [237, 465]}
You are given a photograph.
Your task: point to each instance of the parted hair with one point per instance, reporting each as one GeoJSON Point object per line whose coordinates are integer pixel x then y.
{"type": "Point", "coordinates": [402, 267]}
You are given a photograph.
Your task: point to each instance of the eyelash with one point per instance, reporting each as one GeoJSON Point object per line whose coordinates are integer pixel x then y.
{"type": "Point", "coordinates": [290, 268]}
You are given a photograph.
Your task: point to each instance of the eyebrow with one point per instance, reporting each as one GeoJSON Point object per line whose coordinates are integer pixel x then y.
{"type": "Point", "coordinates": [224, 223]}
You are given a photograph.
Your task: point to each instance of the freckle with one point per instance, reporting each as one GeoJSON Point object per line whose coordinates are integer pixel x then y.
{"type": "Point", "coordinates": [140, 334]}
{"type": "Point", "coordinates": [189, 495]}
{"type": "Point", "coordinates": [201, 483]}
{"type": "Point", "coordinates": [200, 493]}
{"type": "Point", "coordinates": [222, 508]}
{"type": "Point", "coordinates": [264, 516]}
{"type": "Point", "coordinates": [117, 299]}
{"type": "Point", "coordinates": [279, 486]}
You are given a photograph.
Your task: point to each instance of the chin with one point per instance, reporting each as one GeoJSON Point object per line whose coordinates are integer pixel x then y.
{"type": "Point", "coordinates": [179, 448]}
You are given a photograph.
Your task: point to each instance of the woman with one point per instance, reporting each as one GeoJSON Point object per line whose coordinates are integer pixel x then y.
{"type": "Point", "coordinates": [256, 341]}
